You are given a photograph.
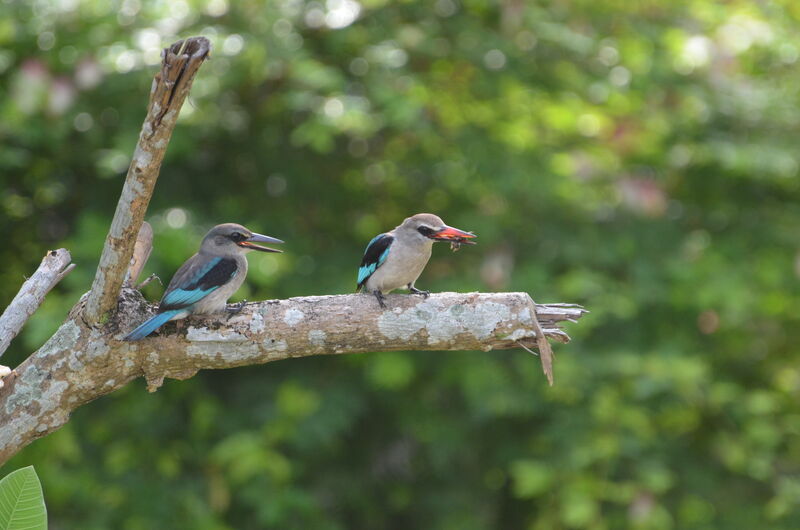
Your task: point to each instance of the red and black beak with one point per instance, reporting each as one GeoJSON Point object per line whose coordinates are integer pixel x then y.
{"type": "Point", "coordinates": [250, 243]}
{"type": "Point", "coordinates": [453, 235]}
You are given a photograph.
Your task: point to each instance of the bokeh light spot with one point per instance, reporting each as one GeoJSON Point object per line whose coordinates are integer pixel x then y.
{"type": "Point", "coordinates": [233, 44]}
{"type": "Point", "coordinates": [333, 108]}
{"type": "Point", "coordinates": [83, 122]}
{"type": "Point", "coordinates": [46, 40]}
{"type": "Point", "coordinates": [276, 185]}
{"type": "Point", "coordinates": [619, 76]}
{"type": "Point", "coordinates": [359, 66]}
{"type": "Point", "coordinates": [176, 217]}
{"type": "Point", "coordinates": [217, 8]}
{"type": "Point", "coordinates": [494, 59]}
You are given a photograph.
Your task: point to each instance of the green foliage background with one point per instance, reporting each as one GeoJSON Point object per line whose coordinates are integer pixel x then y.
{"type": "Point", "coordinates": [636, 157]}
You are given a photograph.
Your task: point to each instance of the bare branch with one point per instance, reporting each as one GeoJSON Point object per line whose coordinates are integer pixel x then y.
{"type": "Point", "coordinates": [80, 363]}
{"type": "Point", "coordinates": [54, 266]}
{"type": "Point", "coordinates": [171, 85]}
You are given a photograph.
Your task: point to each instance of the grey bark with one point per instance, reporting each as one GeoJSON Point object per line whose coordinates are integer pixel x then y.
{"type": "Point", "coordinates": [55, 265]}
{"type": "Point", "coordinates": [81, 363]}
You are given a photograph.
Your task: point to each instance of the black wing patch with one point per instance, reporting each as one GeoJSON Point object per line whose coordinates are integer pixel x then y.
{"type": "Point", "coordinates": [375, 254]}
{"type": "Point", "coordinates": [199, 283]}
{"type": "Point", "coordinates": [217, 274]}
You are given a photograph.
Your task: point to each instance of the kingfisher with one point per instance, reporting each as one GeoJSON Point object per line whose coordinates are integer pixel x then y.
{"type": "Point", "coordinates": [396, 259]}
{"type": "Point", "coordinates": [205, 281]}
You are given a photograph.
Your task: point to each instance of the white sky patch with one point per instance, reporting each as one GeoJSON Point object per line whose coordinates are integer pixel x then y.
{"type": "Point", "coordinates": [341, 13]}
{"type": "Point", "coordinates": [696, 53]}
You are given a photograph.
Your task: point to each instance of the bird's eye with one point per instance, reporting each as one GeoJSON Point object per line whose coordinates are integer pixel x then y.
{"type": "Point", "coordinates": [425, 231]}
{"type": "Point", "coordinates": [238, 237]}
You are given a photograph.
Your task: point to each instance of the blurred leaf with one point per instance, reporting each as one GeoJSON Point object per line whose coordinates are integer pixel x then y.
{"type": "Point", "coordinates": [21, 501]}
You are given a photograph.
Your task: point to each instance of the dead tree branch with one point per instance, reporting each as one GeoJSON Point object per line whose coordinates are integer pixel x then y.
{"type": "Point", "coordinates": [54, 266]}
{"type": "Point", "coordinates": [81, 363]}
{"type": "Point", "coordinates": [180, 63]}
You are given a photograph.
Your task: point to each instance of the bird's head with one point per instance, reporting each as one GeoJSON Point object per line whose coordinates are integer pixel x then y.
{"type": "Point", "coordinates": [231, 238]}
{"type": "Point", "coordinates": [429, 227]}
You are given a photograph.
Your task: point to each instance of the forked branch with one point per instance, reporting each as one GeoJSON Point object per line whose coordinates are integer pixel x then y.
{"type": "Point", "coordinates": [171, 85]}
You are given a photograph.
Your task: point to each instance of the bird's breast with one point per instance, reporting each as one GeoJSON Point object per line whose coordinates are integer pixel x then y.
{"type": "Point", "coordinates": [403, 265]}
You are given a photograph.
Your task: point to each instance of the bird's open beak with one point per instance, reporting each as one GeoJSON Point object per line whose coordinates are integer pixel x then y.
{"type": "Point", "coordinates": [258, 238]}
{"type": "Point", "coordinates": [448, 233]}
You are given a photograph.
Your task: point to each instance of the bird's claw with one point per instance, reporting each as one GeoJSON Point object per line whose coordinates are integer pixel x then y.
{"type": "Point", "coordinates": [414, 290]}
{"type": "Point", "coordinates": [380, 297]}
{"type": "Point", "coordinates": [236, 308]}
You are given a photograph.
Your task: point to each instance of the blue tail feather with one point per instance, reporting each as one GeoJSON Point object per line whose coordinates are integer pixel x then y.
{"type": "Point", "coordinates": [150, 326]}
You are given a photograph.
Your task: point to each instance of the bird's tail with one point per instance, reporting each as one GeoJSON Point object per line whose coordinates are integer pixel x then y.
{"type": "Point", "coordinates": [150, 326]}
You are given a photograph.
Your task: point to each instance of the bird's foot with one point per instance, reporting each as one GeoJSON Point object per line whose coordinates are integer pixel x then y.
{"type": "Point", "coordinates": [414, 290]}
{"type": "Point", "coordinates": [5, 371]}
{"type": "Point", "coordinates": [235, 309]}
{"type": "Point", "coordinates": [380, 297]}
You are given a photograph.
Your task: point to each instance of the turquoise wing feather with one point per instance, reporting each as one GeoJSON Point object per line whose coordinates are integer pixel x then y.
{"type": "Point", "coordinates": [374, 256]}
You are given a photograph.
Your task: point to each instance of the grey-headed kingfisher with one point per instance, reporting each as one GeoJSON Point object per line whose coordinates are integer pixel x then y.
{"type": "Point", "coordinates": [205, 282]}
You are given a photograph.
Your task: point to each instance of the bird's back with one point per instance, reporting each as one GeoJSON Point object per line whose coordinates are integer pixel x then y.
{"type": "Point", "coordinates": [204, 283]}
